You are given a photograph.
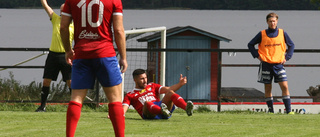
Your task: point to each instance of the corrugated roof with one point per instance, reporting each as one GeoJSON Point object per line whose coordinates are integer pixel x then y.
{"type": "Point", "coordinates": [180, 29]}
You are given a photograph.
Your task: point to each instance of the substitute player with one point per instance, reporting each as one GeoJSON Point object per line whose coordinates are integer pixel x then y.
{"type": "Point", "coordinates": [273, 54]}
{"type": "Point", "coordinates": [55, 61]}
{"type": "Point", "coordinates": [94, 56]}
{"type": "Point", "coordinates": [145, 98]}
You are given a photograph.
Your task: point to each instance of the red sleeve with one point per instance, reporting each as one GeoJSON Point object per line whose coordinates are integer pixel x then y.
{"type": "Point", "coordinates": [157, 88]}
{"type": "Point", "coordinates": [126, 100]}
{"type": "Point", "coordinates": [66, 8]}
{"type": "Point", "coordinates": [117, 6]}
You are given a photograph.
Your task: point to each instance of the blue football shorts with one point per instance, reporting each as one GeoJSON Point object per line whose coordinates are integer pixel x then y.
{"type": "Point", "coordinates": [86, 71]}
{"type": "Point", "coordinates": [269, 71]}
{"type": "Point", "coordinates": [160, 116]}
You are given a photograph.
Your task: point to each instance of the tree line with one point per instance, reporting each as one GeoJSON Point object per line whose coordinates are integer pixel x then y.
{"type": "Point", "coordinates": [187, 4]}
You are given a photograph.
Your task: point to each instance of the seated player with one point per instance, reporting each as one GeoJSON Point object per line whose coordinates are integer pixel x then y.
{"type": "Point", "coordinates": [145, 98]}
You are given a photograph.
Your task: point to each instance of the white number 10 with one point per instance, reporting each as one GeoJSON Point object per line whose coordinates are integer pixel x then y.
{"type": "Point", "coordinates": [84, 18]}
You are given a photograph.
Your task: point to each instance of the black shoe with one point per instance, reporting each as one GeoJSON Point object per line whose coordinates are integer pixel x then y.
{"type": "Point", "coordinates": [165, 112]}
{"type": "Point", "coordinates": [189, 108]}
{"type": "Point", "coordinates": [41, 109]}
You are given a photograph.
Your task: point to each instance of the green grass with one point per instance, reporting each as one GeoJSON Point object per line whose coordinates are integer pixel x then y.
{"type": "Point", "coordinates": [206, 124]}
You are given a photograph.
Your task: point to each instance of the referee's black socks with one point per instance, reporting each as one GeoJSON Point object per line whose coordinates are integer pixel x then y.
{"type": "Point", "coordinates": [44, 96]}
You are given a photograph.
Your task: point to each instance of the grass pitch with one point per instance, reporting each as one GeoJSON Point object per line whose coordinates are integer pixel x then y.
{"type": "Point", "coordinates": [207, 124]}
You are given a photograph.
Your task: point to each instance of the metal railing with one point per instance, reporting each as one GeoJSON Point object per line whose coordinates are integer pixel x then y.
{"type": "Point", "coordinates": [220, 65]}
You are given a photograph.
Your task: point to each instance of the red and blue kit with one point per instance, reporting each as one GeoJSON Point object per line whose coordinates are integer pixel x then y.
{"type": "Point", "coordinates": [94, 51]}
{"type": "Point", "coordinates": [137, 97]}
{"type": "Point", "coordinates": [95, 56]}
{"type": "Point", "coordinates": [92, 22]}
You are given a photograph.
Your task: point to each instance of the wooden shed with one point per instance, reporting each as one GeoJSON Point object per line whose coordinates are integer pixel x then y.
{"type": "Point", "coordinates": [201, 68]}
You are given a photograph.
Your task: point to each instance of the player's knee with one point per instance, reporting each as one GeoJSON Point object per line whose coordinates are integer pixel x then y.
{"type": "Point", "coordinates": [68, 83]}
{"type": "Point", "coordinates": [170, 93]}
{"type": "Point", "coordinates": [46, 82]}
{"type": "Point", "coordinates": [146, 103]}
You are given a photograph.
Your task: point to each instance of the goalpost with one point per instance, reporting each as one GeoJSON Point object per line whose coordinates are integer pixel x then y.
{"type": "Point", "coordinates": [142, 32]}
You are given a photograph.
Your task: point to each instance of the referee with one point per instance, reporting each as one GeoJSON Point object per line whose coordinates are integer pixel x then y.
{"type": "Point", "coordinates": [55, 61]}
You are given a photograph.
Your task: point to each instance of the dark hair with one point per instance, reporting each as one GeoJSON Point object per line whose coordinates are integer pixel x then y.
{"type": "Point", "coordinates": [272, 15]}
{"type": "Point", "coordinates": [138, 72]}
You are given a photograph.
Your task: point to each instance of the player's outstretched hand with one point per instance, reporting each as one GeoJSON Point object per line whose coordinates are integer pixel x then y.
{"type": "Point", "coordinates": [183, 80]}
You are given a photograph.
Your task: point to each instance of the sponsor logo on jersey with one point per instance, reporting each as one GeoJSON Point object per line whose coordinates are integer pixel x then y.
{"type": "Point", "coordinates": [88, 35]}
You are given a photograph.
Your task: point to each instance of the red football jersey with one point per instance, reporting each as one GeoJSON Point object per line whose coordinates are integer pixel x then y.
{"type": "Point", "coordinates": [92, 23]}
{"type": "Point", "coordinates": [137, 97]}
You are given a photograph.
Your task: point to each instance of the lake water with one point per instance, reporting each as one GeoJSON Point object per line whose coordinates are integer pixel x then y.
{"type": "Point", "coordinates": [32, 28]}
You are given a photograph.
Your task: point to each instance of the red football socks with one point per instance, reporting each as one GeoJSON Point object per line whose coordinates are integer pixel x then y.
{"type": "Point", "coordinates": [178, 101]}
{"type": "Point", "coordinates": [115, 113]}
{"type": "Point", "coordinates": [73, 116]}
{"type": "Point", "coordinates": [154, 109]}
{"type": "Point", "coordinates": [117, 118]}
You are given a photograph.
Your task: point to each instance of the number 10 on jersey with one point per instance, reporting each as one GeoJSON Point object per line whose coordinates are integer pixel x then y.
{"type": "Point", "coordinates": [86, 14]}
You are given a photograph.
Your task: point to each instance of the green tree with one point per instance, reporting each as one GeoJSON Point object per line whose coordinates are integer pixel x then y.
{"type": "Point", "coordinates": [316, 2]}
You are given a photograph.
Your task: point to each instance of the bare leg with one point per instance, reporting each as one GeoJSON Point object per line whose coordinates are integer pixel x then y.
{"type": "Point", "coordinates": [68, 83]}
{"type": "Point", "coordinates": [284, 87]}
{"type": "Point", "coordinates": [116, 113]}
{"type": "Point", "coordinates": [167, 99]}
{"type": "Point", "coordinates": [78, 95]}
{"type": "Point", "coordinates": [114, 93]}
{"type": "Point", "coordinates": [267, 90]}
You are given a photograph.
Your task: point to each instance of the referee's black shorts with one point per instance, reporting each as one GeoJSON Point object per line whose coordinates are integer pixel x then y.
{"type": "Point", "coordinates": [55, 63]}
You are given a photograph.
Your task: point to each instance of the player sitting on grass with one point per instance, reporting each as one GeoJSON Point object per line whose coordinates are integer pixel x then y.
{"type": "Point", "coordinates": [145, 98]}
